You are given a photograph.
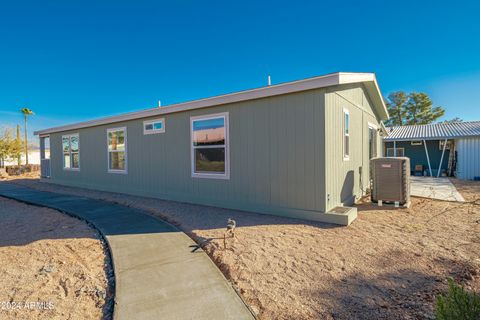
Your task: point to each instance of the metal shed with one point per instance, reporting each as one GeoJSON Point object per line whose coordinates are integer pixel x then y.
{"type": "Point", "coordinates": [441, 148]}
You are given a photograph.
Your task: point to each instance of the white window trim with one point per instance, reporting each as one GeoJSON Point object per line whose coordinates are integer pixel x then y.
{"type": "Point", "coordinates": [416, 142]}
{"type": "Point", "coordinates": [393, 149]}
{"type": "Point", "coordinates": [226, 175]}
{"type": "Point", "coordinates": [49, 148]}
{"type": "Point", "coordinates": [373, 126]}
{"type": "Point", "coordinates": [448, 147]}
{"type": "Point", "coordinates": [346, 157]}
{"type": "Point", "coordinates": [124, 129]}
{"type": "Point", "coordinates": [70, 152]}
{"type": "Point", "coordinates": [42, 160]}
{"type": "Point", "coordinates": [162, 120]}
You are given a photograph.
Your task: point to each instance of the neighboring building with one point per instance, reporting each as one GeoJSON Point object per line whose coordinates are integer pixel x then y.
{"type": "Point", "coordinates": [33, 158]}
{"type": "Point", "coordinates": [440, 148]}
{"type": "Point", "coordinates": [297, 149]}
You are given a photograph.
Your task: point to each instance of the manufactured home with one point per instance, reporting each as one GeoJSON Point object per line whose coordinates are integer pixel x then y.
{"type": "Point", "coordinates": [439, 149]}
{"type": "Point", "coordinates": [299, 149]}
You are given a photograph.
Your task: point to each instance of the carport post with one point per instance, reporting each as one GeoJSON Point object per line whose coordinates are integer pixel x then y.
{"type": "Point", "coordinates": [441, 158]}
{"type": "Point", "coordinates": [394, 148]}
{"type": "Point", "coordinates": [428, 158]}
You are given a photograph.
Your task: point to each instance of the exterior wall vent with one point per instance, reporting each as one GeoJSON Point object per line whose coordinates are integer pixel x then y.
{"type": "Point", "coordinates": [390, 180]}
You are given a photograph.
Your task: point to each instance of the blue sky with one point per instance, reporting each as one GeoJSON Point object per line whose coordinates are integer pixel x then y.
{"type": "Point", "coordinates": [76, 61]}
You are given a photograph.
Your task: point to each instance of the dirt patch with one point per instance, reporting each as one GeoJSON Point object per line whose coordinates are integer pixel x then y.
{"type": "Point", "coordinates": [52, 266]}
{"type": "Point", "coordinates": [389, 263]}
{"type": "Point", "coordinates": [470, 190]}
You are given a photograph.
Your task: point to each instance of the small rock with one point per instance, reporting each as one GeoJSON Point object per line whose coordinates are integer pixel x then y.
{"type": "Point", "coordinates": [47, 269]}
{"type": "Point", "coordinates": [101, 293]}
{"type": "Point", "coordinates": [255, 310]}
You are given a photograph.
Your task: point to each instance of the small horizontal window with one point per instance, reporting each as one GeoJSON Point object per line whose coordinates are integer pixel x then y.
{"type": "Point", "coordinates": [416, 143]}
{"type": "Point", "coordinates": [154, 126]}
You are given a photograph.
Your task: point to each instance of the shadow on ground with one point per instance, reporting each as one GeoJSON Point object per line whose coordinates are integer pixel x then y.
{"type": "Point", "coordinates": [408, 293]}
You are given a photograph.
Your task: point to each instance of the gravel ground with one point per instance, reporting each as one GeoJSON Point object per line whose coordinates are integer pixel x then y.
{"type": "Point", "coordinates": [390, 263]}
{"type": "Point", "coordinates": [52, 259]}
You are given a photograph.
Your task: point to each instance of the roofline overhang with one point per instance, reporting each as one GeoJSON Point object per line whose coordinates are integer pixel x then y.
{"type": "Point", "coordinates": [338, 78]}
{"type": "Point", "coordinates": [383, 128]}
{"type": "Point", "coordinates": [429, 138]}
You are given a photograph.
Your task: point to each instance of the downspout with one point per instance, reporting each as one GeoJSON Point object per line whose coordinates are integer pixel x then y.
{"type": "Point", "coordinates": [441, 158]}
{"type": "Point", "coordinates": [394, 148]}
{"type": "Point", "coordinates": [428, 158]}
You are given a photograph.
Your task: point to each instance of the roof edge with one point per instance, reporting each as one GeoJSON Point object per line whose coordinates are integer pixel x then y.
{"type": "Point", "coordinates": [372, 86]}
{"type": "Point", "coordinates": [386, 139]}
{"type": "Point", "coordinates": [328, 80]}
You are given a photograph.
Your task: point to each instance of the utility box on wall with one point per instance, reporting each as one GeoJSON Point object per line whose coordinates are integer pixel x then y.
{"type": "Point", "coordinates": [390, 180]}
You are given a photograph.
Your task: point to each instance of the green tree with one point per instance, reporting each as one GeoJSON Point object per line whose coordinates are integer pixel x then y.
{"type": "Point", "coordinates": [26, 113]}
{"type": "Point", "coordinates": [396, 105]}
{"type": "Point", "coordinates": [4, 146]}
{"type": "Point", "coordinates": [420, 109]}
{"type": "Point", "coordinates": [18, 141]}
{"type": "Point", "coordinates": [9, 146]}
{"type": "Point", "coordinates": [414, 108]}
{"type": "Point", "coordinates": [454, 120]}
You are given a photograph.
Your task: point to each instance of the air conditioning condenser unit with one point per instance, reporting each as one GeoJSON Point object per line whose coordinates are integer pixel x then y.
{"type": "Point", "coordinates": [390, 180]}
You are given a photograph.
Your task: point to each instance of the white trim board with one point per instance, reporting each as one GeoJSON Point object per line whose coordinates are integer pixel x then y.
{"type": "Point", "coordinates": [368, 79]}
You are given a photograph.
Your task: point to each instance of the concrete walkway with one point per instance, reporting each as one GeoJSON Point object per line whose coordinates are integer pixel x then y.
{"type": "Point", "coordinates": [157, 276]}
{"type": "Point", "coordinates": [435, 188]}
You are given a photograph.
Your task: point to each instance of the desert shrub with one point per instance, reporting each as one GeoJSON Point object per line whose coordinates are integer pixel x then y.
{"type": "Point", "coordinates": [458, 303]}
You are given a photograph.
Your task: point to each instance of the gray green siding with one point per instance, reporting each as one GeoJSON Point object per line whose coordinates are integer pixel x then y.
{"type": "Point", "coordinates": [344, 183]}
{"type": "Point", "coordinates": [277, 158]}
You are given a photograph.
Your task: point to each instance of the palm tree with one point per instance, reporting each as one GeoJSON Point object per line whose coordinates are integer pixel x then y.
{"type": "Point", "coordinates": [26, 113]}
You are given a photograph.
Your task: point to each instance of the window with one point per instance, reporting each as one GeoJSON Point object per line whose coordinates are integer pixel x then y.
{"type": "Point", "coordinates": [45, 146]}
{"type": "Point", "coordinates": [117, 150]}
{"type": "Point", "coordinates": [416, 143]}
{"type": "Point", "coordinates": [391, 152]}
{"type": "Point", "coordinates": [154, 126]}
{"type": "Point", "coordinates": [209, 143]}
{"type": "Point", "coordinates": [71, 152]}
{"type": "Point", "coordinates": [346, 134]}
{"type": "Point", "coordinates": [372, 140]}
{"type": "Point", "coordinates": [45, 156]}
{"type": "Point", "coordinates": [442, 142]}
